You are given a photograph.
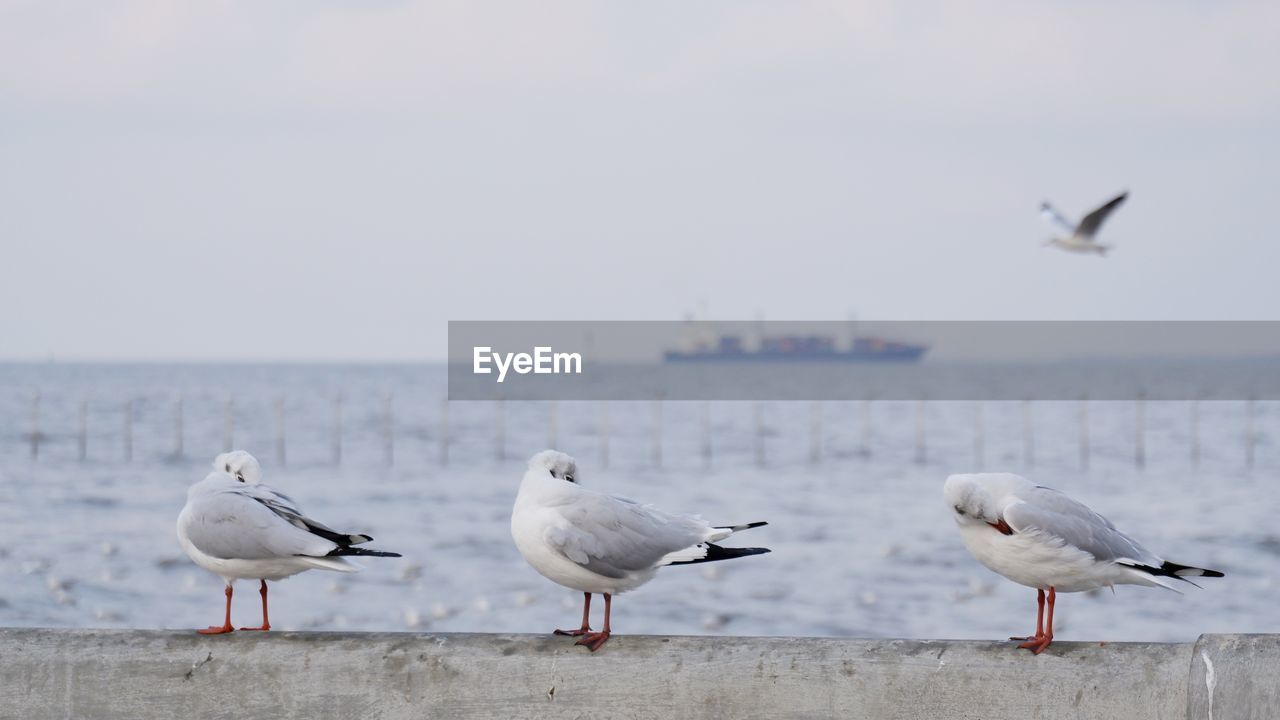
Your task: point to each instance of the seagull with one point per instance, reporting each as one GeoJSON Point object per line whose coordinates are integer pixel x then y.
{"type": "Point", "coordinates": [236, 527]}
{"type": "Point", "coordinates": [1041, 538]}
{"type": "Point", "coordinates": [1080, 238]}
{"type": "Point", "coordinates": [604, 544]}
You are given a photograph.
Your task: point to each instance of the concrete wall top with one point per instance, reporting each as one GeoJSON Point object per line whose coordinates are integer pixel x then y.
{"type": "Point", "coordinates": [143, 674]}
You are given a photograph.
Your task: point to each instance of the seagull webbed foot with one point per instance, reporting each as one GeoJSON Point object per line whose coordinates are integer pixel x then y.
{"type": "Point", "coordinates": [593, 640]}
{"type": "Point", "coordinates": [1037, 644]}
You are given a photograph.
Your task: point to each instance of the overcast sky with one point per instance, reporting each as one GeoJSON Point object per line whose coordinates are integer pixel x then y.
{"type": "Point", "coordinates": [333, 180]}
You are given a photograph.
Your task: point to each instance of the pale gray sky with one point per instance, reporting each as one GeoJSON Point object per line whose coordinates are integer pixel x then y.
{"type": "Point", "coordinates": [334, 180]}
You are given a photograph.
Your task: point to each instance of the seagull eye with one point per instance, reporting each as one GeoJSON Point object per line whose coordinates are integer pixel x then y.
{"type": "Point", "coordinates": [240, 477]}
{"type": "Point", "coordinates": [569, 478]}
{"type": "Point", "coordinates": [553, 472]}
{"type": "Point", "coordinates": [959, 510]}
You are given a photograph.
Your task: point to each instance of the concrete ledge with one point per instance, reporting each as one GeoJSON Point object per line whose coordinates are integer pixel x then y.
{"type": "Point", "coordinates": [175, 674]}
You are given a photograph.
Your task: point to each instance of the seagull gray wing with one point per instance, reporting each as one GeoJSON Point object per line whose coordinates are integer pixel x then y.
{"type": "Point", "coordinates": [613, 536]}
{"type": "Point", "coordinates": [1073, 523]}
{"type": "Point", "coordinates": [1053, 216]}
{"type": "Point", "coordinates": [1091, 222]}
{"type": "Point", "coordinates": [236, 526]}
{"type": "Point", "coordinates": [287, 509]}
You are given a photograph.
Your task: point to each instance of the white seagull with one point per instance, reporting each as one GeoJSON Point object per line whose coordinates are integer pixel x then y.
{"type": "Point", "coordinates": [1038, 537]}
{"type": "Point", "coordinates": [236, 527]}
{"type": "Point", "coordinates": [597, 543]}
{"type": "Point", "coordinates": [1080, 237]}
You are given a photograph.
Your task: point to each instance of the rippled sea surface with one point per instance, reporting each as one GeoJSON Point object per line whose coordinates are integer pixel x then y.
{"type": "Point", "coordinates": [862, 543]}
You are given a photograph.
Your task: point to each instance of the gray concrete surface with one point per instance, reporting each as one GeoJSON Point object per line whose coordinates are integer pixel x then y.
{"type": "Point", "coordinates": [1235, 676]}
{"type": "Point", "coordinates": [143, 674]}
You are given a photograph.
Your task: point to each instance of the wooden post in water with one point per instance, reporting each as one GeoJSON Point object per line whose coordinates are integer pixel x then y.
{"type": "Point", "coordinates": [128, 430]}
{"type": "Point", "coordinates": [229, 425]}
{"type": "Point", "coordinates": [656, 450]}
{"type": "Point", "coordinates": [921, 450]}
{"type": "Point", "coordinates": [1195, 434]}
{"type": "Point", "coordinates": [179, 431]}
{"type": "Point", "coordinates": [35, 426]}
{"type": "Point", "coordinates": [979, 436]}
{"type": "Point", "coordinates": [815, 432]}
{"type": "Point", "coordinates": [759, 416]}
{"type": "Point", "coordinates": [706, 434]}
{"type": "Point", "coordinates": [281, 455]}
{"type": "Point", "coordinates": [83, 436]}
{"type": "Point", "coordinates": [336, 439]}
{"type": "Point", "coordinates": [604, 434]}
{"type": "Point", "coordinates": [444, 432]}
{"type": "Point", "coordinates": [500, 429]}
{"type": "Point", "coordinates": [553, 426]}
{"type": "Point", "coordinates": [1028, 435]}
{"type": "Point", "coordinates": [1084, 433]}
{"type": "Point", "coordinates": [388, 430]}
{"type": "Point", "coordinates": [864, 436]}
{"type": "Point", "coordinates": [1250, 438]}
{"type": "Point", "coordinates": [1140, 431]}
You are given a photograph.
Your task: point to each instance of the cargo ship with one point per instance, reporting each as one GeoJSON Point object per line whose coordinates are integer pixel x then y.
{"type": "Point", "coordinates": [800, 348]}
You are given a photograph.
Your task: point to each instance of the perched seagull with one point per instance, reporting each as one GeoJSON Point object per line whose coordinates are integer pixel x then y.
{"type": "Point", "coordinates": [598, 543]}
{"type": "Point", "coordinates": [1080, 238]}
{"type": "Point", "coordinates": [236, 527]}
{"type": "Point", "coordinates": [1038, 537]}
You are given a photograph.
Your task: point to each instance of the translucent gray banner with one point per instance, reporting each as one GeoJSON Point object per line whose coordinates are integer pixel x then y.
{"type": "Point", "coordinates": [827, 360]}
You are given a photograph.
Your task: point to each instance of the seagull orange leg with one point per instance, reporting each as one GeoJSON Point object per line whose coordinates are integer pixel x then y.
{"type": "Point", "coordinates": [265, 624]}
{"type": "Point", "coordinates": [1048, 624]}
{"type": "Point", "coordinates": [1039, 619]}
{"type": "Point", "coordinates": [1042, 640]}
{"type": "Point", "coordinates": [586, 619]}
{"type": "Point", "coordinates": [226, 624]}
{"type": "Point", "coordinates": [593, 640]}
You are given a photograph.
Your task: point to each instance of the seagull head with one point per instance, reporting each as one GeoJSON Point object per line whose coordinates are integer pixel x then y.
{"type": "Point", "coordinates": [969, 501]}
{"type": "Point", "coordinates": [560, 465]}
{"type": "Point", "coordinates": [240, 465]}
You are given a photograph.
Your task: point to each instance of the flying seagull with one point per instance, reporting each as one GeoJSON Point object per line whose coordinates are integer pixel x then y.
{"type": "Point", "coordinates": [1039, 537]}
{"type": "Point", "coordinates": [236, 527]}
{"type": "Point", "coordinates": [597, 543]}
{"type": "Point", "coordinates": [1080, 237]}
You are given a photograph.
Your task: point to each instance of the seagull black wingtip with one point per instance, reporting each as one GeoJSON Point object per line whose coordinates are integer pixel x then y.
{"type": "Point", "coordinates": [346, 551]}
{"type": "Point", "coordinates": [744, 526]}
{"type": "Point", "coordinates": [1180, 572]}
{"type": "Point", "coordinates": [716, 552]}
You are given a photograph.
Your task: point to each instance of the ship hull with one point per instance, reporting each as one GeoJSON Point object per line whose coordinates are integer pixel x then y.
{"type": "Point", "coordinates": [896, 355]}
